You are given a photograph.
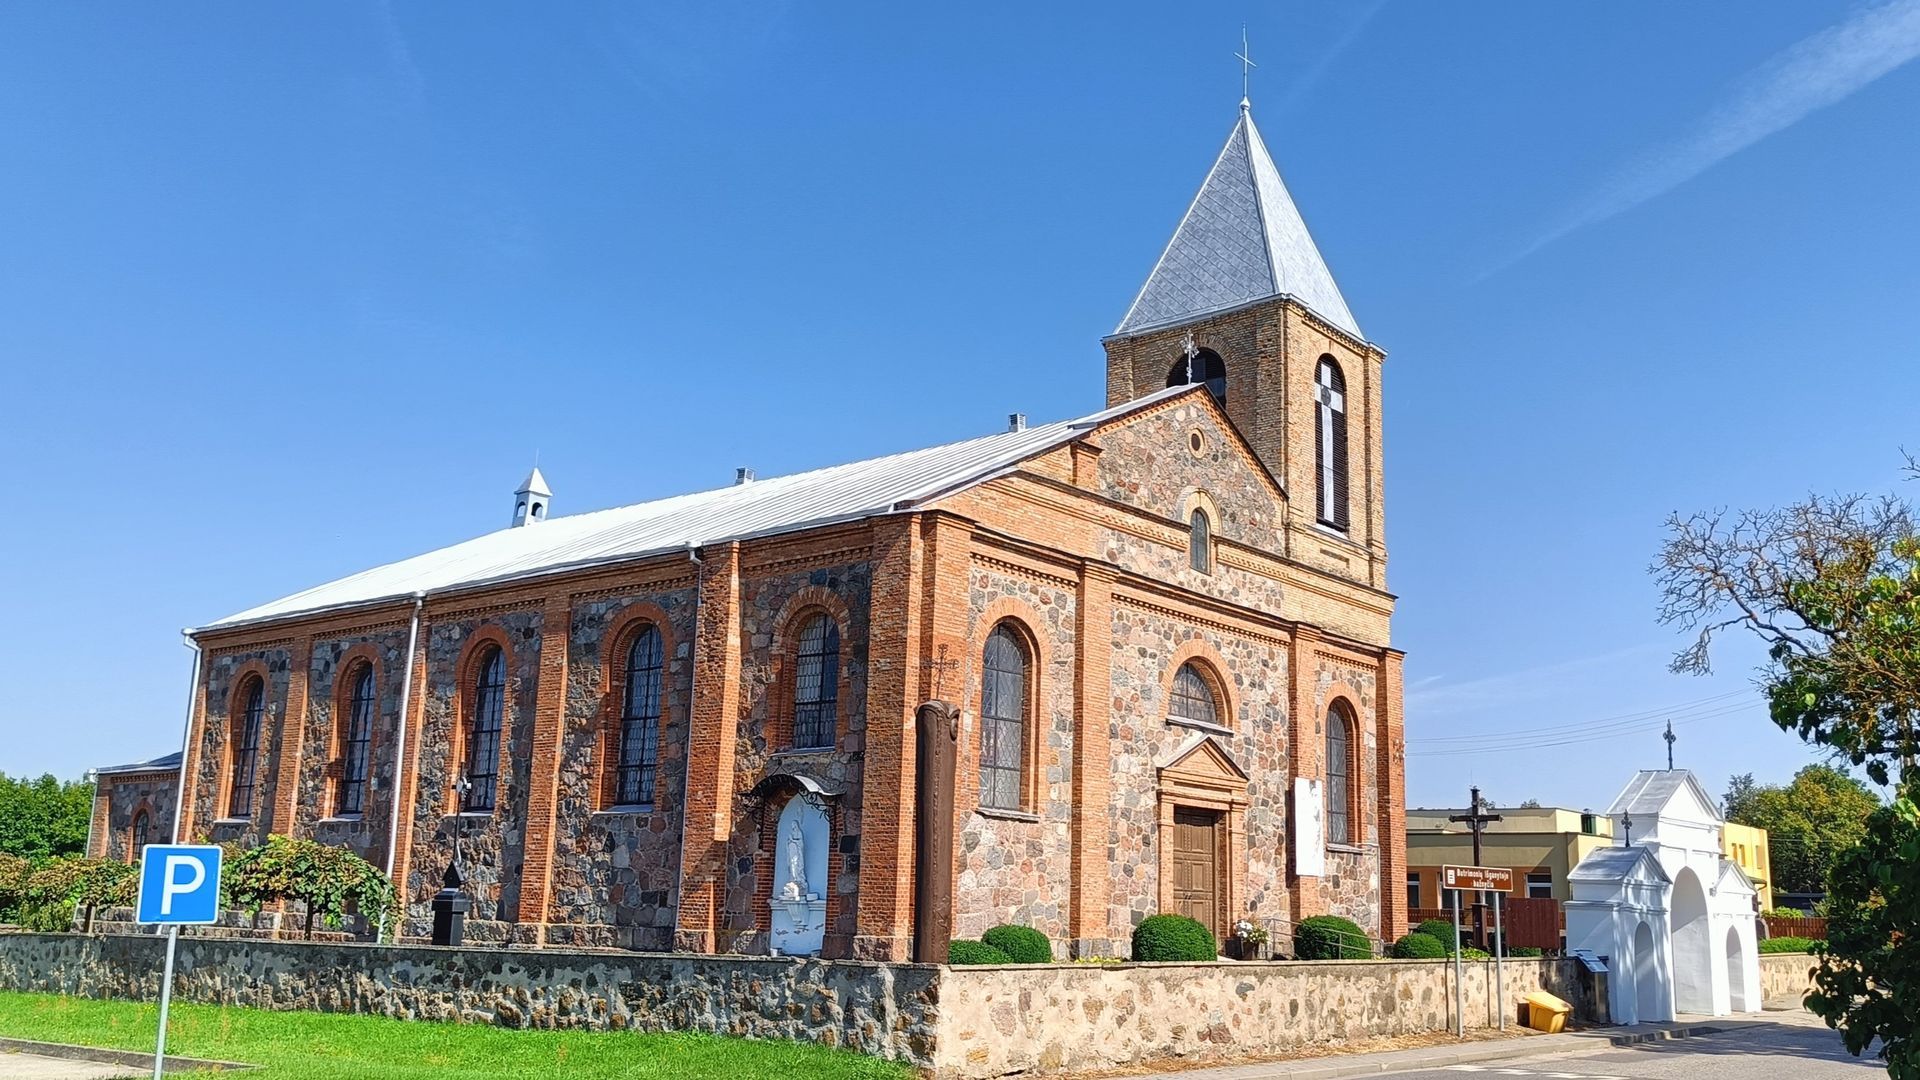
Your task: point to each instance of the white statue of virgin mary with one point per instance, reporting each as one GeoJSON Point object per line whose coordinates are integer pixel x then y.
{"type": "Point", "coordinates": [796, 887]}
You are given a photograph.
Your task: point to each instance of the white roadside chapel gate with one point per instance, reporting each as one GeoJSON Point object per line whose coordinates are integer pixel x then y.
{"type": "Point", "coordinates": [1675, 919]}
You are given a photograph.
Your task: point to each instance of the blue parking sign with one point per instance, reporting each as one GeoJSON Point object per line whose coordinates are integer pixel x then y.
{"type": "Point", "coordinates": [179, 884]}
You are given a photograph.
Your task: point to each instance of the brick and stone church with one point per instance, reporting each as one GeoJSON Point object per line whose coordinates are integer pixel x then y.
{"type": "Point", "coordinates": [1161, 631]}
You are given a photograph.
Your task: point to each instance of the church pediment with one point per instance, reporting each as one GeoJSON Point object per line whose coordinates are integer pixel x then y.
{"type": "Point", "coordinates": [1202, 768]}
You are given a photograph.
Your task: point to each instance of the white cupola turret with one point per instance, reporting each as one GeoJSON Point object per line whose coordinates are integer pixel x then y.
{"type": "Point", "coordinates": [532, 500]}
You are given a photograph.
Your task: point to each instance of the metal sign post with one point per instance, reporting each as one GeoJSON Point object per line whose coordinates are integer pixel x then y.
{"type": "Point", "coordinates": [179, 886]}
{"type": "Point", "coordinates": [1459, 984]}
{"type": "Point", "coordinates": [1499, 963]}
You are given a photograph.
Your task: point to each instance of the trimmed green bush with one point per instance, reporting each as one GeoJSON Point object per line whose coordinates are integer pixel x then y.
{"type": "Point", "coordinates": [1440, 930]}
{"type": "Point", "coordinates": [1419, 947]}
{"type": "Point", "coordinates": [960, 953]}
{"type": "Point", "coordinates": [1023, 944]}
{"type": "Point", "coordinates": [1471, 953]}
{"type": "Point", "coordinates": [1164, 938]}
{"type": "Point", "coordinates": [1525, 951]}
{"type": "Point", "coordinates": [1787, 944]}
{"type": "Point", "coordinates": [1330, 937]}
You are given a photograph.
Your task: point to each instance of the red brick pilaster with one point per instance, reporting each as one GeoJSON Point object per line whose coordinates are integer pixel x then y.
{"type": "Point", "coordinates": [549, 726]}
{"type": "Point", "coordinates": [100, 826]}
{"type": "Point", "coordinates": [707, 818]}
{"type": "Point", "coordinates": [188, 792]}
{"type": "Point", "coordinates": [290, 742]}
{"type": "Point", "coordinates": [1087, 923]}
{"type": "Point", "coordinates": [1392, 783]}
{"type": "Point", "coordinates": [1307, 894]}
{"type": "Point", "coordinates": [884, 916]}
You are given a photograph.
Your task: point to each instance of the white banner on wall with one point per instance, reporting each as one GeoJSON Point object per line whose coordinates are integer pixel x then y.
{"type": "Point", "coordinates": [1309, 828]}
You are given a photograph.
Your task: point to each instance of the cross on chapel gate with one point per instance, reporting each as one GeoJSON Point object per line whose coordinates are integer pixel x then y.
{"type": "Point", "coordinates": [1477, 819]}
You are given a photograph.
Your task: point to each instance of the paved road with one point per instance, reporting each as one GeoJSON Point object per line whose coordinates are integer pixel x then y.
{"type": "Point", "coordinates": [1792, 1048]}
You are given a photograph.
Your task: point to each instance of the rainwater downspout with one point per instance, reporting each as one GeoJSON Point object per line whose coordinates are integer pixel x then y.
{"type": "Point", "coordinates": [400, 740]}
{"type": "Point", "coordinates": [186, 736]}
{"type": "Point", "coordinates": [693, 682]}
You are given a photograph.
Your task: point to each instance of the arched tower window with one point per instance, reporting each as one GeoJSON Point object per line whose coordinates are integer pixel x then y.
{"type": "Point", "coordinates": [1200, 542]}
{"type": "Point", "coordinates": [816, 684]}
{"type": "Point", "coordinates": [351, 796]}
{"type": "Point", "coordinates": [1003, 720]}
{"type": "Point", "coordinates": [246, 749]}
{"type": "Point", "coordinates": [483, 731]}
{"type": "Point", "coordinates": [1330, 443]}
{"type": "Point", "coordinates": [1205, 366]}
{"type": "Point", "coordinates": [640, 720]}
{"type": "Point", "coordinates": [1339, 775]}
{"type": "Point", "coordinates": [1193, 698]}
{"type": "Point", "coordinates": [142, 835]}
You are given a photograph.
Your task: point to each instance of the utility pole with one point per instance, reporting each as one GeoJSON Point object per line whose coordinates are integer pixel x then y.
{"type": "Point", "coordinates": [1477, 820]}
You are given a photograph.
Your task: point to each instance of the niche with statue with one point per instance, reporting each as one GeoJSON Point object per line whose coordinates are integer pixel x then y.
{"type": "Point", "coordinates": [799, 904]}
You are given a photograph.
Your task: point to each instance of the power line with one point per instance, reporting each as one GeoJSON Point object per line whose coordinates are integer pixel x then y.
{"type": "Point", "coordinates": [1624, 720]}
{"type": "Point", "coordinates": [1646, 727]}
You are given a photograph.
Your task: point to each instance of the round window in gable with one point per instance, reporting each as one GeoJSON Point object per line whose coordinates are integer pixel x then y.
{"type": "Point", "coordinates": [1196, 442]}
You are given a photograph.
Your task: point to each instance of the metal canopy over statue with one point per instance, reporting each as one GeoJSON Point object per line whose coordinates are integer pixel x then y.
{"type": "Point", "coordinates": [1675, 918]}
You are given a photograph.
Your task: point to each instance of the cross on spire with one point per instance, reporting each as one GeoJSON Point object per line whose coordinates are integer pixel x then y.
{"type": "Point", "coordinates": [1245, 56]}
{"type": "Point", "coordinates": [1671, 739]}
{"type": "Point", "coordinates": [1191, 351]}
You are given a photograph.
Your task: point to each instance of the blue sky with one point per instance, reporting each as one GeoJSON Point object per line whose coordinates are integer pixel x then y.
{"type": "Point", "coordinates": [287, 292]}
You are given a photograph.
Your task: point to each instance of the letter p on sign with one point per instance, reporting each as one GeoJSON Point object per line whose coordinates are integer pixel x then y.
{"type": "Point", "coordinates": [179, 884]}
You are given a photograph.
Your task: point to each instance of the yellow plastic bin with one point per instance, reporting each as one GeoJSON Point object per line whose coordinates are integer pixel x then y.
{"type": "Point", "coordinates": [1546, 1012]}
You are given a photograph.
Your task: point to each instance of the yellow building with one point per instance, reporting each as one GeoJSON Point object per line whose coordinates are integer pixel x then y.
{"type": "Point", "coordinates": [1746, 845]}
{"type": "Point", "coordinates": [1540, 844]}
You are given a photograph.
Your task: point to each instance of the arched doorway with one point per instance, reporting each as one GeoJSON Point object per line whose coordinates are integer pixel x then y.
{"type": "Point", "coordinates": [1736, 972]}
{"type": "Point", "coordinates": [1692, 945]}
{"type": "Point", "coordinates": [1648, 997]}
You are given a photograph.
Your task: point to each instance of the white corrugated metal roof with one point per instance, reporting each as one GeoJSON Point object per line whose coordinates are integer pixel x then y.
{"type": "Point", "coordinates": [1651, 790]}
{"type": "Point", "coordinates": [1242, 240]}
{"type": "Point", "coordinates": [760, 508]}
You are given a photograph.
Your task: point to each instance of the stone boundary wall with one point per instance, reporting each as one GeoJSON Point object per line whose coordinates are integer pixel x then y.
{"type": "Point", "coordinates": [1785, 979]}
{"type": "Point", "coordinates": [999, 1020]}
{"type": "Point", "coordinates": [887, 1010]}
{"type": "Point", "coordinates": [961, 1023]}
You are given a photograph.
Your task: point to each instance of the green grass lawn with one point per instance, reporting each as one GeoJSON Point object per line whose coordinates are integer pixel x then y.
{"type": "Point", "coordinates": [325, 1046]}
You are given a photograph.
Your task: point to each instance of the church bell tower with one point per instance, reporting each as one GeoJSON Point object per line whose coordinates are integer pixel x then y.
{"type": "Point", "coordinates": [1242, 301]}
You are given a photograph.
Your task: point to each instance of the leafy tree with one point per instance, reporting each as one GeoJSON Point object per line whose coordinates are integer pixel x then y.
{"type": "Point", "coordinates": [43, 818]}
{"type": "Point", "coordinates": [331, 883]}
{"type": "Point", "coordinates": [1529, 804]}
{"type": "Point", "coordinates": [1810, 822]}
{"type": "Point", "coordinates": [1831, 586]}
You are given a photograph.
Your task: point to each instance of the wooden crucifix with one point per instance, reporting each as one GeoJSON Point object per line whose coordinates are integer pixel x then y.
{"type": "Point", "coordinates": [1477, 819]}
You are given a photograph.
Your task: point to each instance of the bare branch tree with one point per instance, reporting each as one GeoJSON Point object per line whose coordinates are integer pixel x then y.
{"type": "Point", "coordinates": [1721, 571]}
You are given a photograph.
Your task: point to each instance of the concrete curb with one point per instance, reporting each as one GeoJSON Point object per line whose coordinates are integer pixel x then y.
{"type": "Point", "coordinates": [130, 1058]}
{"type": "Point", "coordinates": [1440, 1057]}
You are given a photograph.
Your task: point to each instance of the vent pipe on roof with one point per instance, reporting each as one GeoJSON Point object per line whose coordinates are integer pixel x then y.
{"type": "Point", "coordinates": [742, 475]}
{"type": "Point", "coordinates": [1017, 421]}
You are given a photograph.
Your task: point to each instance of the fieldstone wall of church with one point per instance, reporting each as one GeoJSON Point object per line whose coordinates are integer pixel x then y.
{"type": "Point", "coordinates": [1352, 881]}
{"type": "Point", "coordinates": [766, 689]}
{"type": "Point", "coordinates": [151, 793]}
{"type": "Point", "coordinates": [213, 764]}
{"type": "Point", "coordinates": [1145, 641]}
{"type": "Point", "coordinates": [1150, 463]}
{"type": "Point", "coordinates": [1017, 867]}
{"type": "Point", "coordinates": [615, 871]}
{"type": "Point", "coordinates": [316, 805]}
{"type": "Point", "coordinates": [491, 844]}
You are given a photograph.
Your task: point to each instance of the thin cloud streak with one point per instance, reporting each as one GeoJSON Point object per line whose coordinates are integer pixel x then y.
{"type": "Point", "coordinates": [1433, 696]}
{"type": "Point", "coordinates": [1810, 75]}
{"type": "Point", "coordinates": [1325, 57]}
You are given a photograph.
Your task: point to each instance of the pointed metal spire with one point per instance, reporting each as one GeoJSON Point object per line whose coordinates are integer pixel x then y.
{"type": "Point", "coordinates": [1242, 240]}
